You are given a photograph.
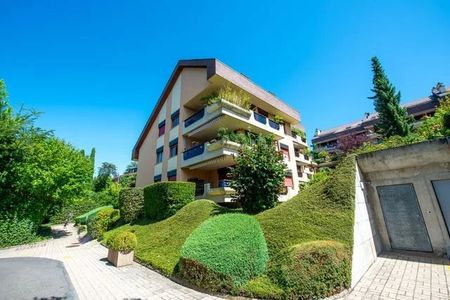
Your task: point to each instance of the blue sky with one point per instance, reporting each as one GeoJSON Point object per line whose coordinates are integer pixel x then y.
{"type": "Point", "coordinates": [96, 68]}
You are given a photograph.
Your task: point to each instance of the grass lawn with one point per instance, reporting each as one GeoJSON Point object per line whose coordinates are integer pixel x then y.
{"type": "Point", "coordinates": [159, 243]}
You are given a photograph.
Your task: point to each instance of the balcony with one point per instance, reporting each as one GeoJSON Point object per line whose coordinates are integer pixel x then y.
{"type": "Point", "coordinates": [204, 124]}
{"type": "Point", "coordinates": [302, 159]}
{"type": "Point", "coordinates": [210, 155]}
{"type": "Point", "coordinates": [299, 140]}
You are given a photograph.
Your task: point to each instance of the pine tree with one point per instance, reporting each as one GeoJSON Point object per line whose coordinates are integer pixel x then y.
{"type": "Point", "coordinates": [393, 119]}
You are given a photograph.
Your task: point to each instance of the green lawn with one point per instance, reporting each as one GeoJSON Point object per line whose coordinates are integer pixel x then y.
{"type": "Point", "coordinates": [159, 243]}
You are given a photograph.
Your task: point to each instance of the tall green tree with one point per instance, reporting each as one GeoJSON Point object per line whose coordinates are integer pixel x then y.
{"type": "Point", "coordinates": [37, 170]}
{"type": "Point", "coordinates": [106, 173]}
{"type": "Point", "coordinates": [258, 175]}
{"type": "Point", "coordinates": [393, 119]}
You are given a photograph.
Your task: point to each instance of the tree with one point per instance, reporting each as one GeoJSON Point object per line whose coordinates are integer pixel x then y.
{"type": "Point", "coordinates": [37, 170]}
{"type": "Point", "coordinates": [131, 167]}
{"type": "Point", "coordinates": [258, 175]}
{"type": "Point", "coordinates": [352, 141]}
{"type": "Point", "coordinates": [393, 119]}
{"type": "Point", "coordinates": [106, 173]}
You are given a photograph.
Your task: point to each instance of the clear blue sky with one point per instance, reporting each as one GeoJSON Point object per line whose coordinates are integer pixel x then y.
{"type": "Point", "coordinates": [96, 68]}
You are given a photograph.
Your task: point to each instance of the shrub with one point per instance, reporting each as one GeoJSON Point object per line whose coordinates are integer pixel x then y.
{"type": "Point", "coordinates": [312, 270]}
{"type": "Point", "coordinates": [164, 199]}
{"type": "Point", "coordinates": [14, 231]}
{"type": "Point", "coordinates": [131, 204]}
{"type": "Point", "coordinates": [262, 288]}
{"type": "Point", "coordinates": [223, 252]}
{"type": "Point", "coordinates": [86, 217]}
{"type": "Point", "coordinates": [122, 241]}
{"type": "Point", "coordinates": [258, 175]}
{"type": "Point", "coordinates": [102, 222]}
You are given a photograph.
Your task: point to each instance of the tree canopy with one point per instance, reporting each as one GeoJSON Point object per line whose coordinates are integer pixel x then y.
{"type": "Point", "coordinates": [393, 119]}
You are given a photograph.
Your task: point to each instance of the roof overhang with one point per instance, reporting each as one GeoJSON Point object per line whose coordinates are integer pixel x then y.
{"type": "Point", "coordinates": [213, 67]}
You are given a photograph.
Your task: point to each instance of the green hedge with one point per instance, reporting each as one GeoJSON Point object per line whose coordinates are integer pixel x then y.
{"type": "Point", "coordinates": [164, 199]}
{"type": "Point", "coordinates": [131, 204]}
{"type": "Point", "coordinates": [103, 221]}
{"type": "Point", "coordinates": [225, 251]}
{"type": "Point", "coordinates": [86, 217]}
{"type": "Point", "coordinates": [14, 231]}
{"type": "Point", "coordinates": [312, 270]}
{"type": "Point", "coordinates": [122, 241]}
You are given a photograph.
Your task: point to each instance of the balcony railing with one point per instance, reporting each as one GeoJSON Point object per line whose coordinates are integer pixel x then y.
{"type": "Point", "coordinates": [274, 124]}
{"type": "Point", "coordinates": [224, 183]}
{"type": "Point", "coordinates": [194, 151]}
{"type": "Point", "coordinates": [194, 118]}
{"type": "Point", "coordinates": [260, 118]}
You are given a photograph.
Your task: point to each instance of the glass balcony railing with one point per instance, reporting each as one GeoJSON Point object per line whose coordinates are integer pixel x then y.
{"type": "Point", "coordinates": [274, 124]}
{"type": "Point", "coordinates": [260, 118]}
{"type": "Point", "coordinates": [194, 118]}
{"type": "Point", "coordinates": [194, 151]}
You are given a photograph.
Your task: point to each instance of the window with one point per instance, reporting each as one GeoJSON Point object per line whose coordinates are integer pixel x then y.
{"type": "Point", "coordinates": [159, 155]}
{"type": "Point", "coordinates": [175, 118]}
{"type": "Point", "coordinates": [173, 147]}
{"type": "Point", "coordinates": [162, 128]}
{"type": "Point", "coordinates": [288, 182]}
{"type": "Point", "coordinates": [172, 175]}
{"type": "Point", "coordinates": [157, 178]}
{"type": "Point", "coordinates": [285, 149]}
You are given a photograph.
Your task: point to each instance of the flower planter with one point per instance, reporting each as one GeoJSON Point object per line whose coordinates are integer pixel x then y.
{"type": "Point", "coordinates": [222, 144]}
{"type": "Point", "coordinates": [120, 259]}
{"type": "Point", "coordinates": [230, 106]}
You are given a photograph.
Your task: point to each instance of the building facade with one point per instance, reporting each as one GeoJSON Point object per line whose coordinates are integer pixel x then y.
{"type": "Point", "coordinates": [179, 141]}
{"type": "Point", "coordinates": [363, 129]}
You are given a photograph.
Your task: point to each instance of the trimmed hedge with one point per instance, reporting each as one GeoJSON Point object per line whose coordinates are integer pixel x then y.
{"type": "Point", "coordinates": [131, 204]}
{"type": "Point", "coordinates": [123, 241]}
{"type": "Point", "coordinates": [225, 251]}
{"type": "Point", "coordinates": [103, 221]}
{"type": "Point", "coordinates": [14, 231]}
{"type": "Point", "coordinates": [164, 199]}
{"type": "Point", "coordinates": [312, 270]}
{"type": "Point", "coordinates": [86, 217]}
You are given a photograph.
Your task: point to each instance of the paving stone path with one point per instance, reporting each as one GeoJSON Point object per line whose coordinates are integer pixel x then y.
{"type": "Point", "coordinates": [401, 276]}
{"type": "Point", "coordinates": [94, 278]}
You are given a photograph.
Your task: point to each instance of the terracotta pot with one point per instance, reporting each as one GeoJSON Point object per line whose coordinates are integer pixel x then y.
{"type": "Point", "coordinates": [120, 259]}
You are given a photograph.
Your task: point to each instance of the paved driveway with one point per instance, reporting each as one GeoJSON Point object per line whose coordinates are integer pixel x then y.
{"type": "Point", "coordinates": [403, 276]}
{"type": "Point", "coordinates": [91, 275]}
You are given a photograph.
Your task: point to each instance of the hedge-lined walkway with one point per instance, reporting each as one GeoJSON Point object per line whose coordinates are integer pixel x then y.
{"type": "Point", "coordinates": [94, 278]}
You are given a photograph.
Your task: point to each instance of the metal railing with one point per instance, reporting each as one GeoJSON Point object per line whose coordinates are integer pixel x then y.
{"type": "Point", "coordinates": [194, 151]}
{"type": "Point", "coordinates": [194, 118]}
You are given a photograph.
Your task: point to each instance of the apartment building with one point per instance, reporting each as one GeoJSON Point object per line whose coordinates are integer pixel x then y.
{"type": "Point", "coordinates": [179, 140]}
{"type": "Point", "coordinates": [329, 139]}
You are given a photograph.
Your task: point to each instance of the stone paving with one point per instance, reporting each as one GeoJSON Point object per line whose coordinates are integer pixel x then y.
{"type": "Point", "coordinates": [94, 278]}
{"type": "Point", "coordinates": [401, 276]}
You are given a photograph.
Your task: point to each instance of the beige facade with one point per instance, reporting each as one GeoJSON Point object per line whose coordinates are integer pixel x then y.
{"type": "Point", "coordinates": [181, 120]}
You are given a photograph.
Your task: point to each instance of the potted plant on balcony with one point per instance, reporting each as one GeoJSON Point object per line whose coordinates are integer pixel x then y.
{"type": "Point", "coordinates": [227, 97]}
{"type": "Point", "coordinates": [121, 247]}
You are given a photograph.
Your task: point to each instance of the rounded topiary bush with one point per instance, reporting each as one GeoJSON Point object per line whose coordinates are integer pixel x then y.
{"type": "Point", "coordinates": [102, 221]}
{"type": "Point", "coordinates": [122, 241]}
{"type": "Point", "coordinates": [312, 270]}
{"type": "Point", "coordinates": [224, 252]}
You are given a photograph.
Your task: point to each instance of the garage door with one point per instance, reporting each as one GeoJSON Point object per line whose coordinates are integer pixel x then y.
{"type": "Point", "coordinates": [442, 190]}
{"type": "Point", "coordinates": [403, 218]}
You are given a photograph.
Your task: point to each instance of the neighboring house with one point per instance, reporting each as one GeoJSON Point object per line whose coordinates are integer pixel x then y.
{"type": "Point", "coordinates": [364, 129]}
{"type": "Point", "coordinates": [179, 143]}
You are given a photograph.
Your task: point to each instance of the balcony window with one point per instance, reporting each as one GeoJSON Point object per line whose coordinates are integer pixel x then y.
{"type": "Point", "coordinates": [175, 118]}
{"type": "Point", "coordinates": [173, 148]}
{"type": "Point", "coordinates": [159, 155]}
{"type": "Point", "coordinates": [157, 178]}
{"type": "Point", "coordinates": [161, 128]}
{"type": "Point", "coordinates": [224, 183]}
{"type": "Point", "coordinates": [274, 124]}
{"type": "Point", "coordinates": [194, 151]}
{"type": "Point", "coordinates": [194, 118]}
{"type": "Point", "coordinates": [172, 175]}
{"type": "Point", "coordinates": [260, 118]}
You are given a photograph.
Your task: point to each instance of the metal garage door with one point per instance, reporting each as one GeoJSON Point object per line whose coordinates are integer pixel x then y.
{"type": "Point", "coordinates": [403, 218]}
{"type": "Point", "coordinates": [442, 190]}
